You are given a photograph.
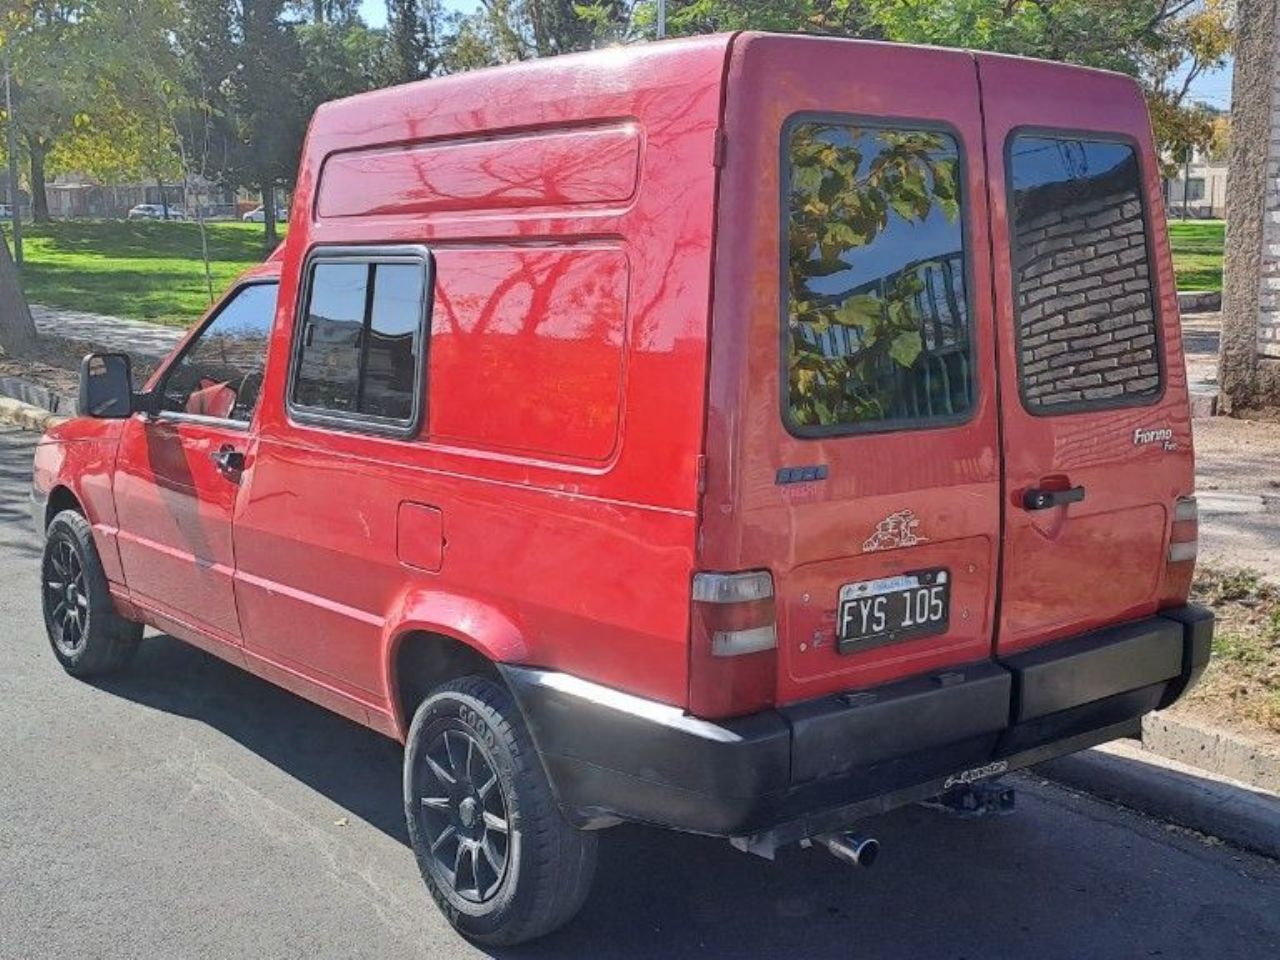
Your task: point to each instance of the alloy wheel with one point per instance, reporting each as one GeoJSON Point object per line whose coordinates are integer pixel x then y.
{"type": "Point", "coordinates": [66, 597]}
{"type": "Point", "coordinates": [463, 814]}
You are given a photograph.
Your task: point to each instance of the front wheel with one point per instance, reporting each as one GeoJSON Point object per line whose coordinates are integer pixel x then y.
{"type": "Point", "coordinates": [87, 635]}
{"type": "Point", "coordinates": [499, 859]}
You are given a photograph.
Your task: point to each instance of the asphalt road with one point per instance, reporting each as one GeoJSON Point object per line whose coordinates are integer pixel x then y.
{"type": "Point", "coordinates": [189, 810]}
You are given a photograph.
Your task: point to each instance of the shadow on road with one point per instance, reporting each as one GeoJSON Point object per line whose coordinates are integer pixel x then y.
{"type": "Point", "coordinates": [1041, 883]}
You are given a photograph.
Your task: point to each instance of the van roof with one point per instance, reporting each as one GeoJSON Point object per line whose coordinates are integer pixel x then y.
{"type": "Point", "coordinates": [452, 98]}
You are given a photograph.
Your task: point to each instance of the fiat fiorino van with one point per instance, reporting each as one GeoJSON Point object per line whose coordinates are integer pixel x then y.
{"type": "Point", "coordinates": [741, 434]}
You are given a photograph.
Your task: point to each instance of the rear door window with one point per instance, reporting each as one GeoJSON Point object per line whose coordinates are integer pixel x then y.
{"type": "Point", "coordinates": [1086, 320]}
{"type": "Point", "coordinates": [877, 326]}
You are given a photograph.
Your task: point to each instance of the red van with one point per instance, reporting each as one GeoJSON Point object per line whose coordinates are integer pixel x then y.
{"type": "Point", "coordinates": [742, 434]}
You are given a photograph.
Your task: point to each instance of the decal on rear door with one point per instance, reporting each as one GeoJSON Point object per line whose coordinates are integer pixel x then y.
{"type": "Point", "coordinates": [899, 529]}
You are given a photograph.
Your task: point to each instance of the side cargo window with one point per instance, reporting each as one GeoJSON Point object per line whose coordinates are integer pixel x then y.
{"type": "Point", "coordinates": [359, 359]}
{"type": "Point", "coordinates": [1086, 321]}
{"type": "Point", "coordinates": [876, 316]}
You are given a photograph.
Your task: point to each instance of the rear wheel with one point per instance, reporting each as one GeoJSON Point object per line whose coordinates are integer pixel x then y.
{"type": "Point", "coordinates": [499, 859]}
{"type": "Point", "coordinates": [87, 635]}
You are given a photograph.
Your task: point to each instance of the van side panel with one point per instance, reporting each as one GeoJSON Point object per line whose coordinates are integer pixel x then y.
{"type": "Point", "coordinates": [526, 342]}
{"type": "Point", "coordinates": [565, 375]}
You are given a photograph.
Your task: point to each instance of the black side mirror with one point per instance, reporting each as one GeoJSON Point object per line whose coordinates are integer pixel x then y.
{"type": "Point", "coordinates": [106, 386]}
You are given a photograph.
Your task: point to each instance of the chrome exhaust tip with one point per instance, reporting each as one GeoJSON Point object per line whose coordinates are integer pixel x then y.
{"type": "Point", "coordinates": [850, 848]}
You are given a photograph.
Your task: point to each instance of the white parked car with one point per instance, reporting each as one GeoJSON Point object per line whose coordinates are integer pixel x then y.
{"type": "Point", "coordinates": [258, 215]}
{"type": "Point", "coordinates": [155, 211]}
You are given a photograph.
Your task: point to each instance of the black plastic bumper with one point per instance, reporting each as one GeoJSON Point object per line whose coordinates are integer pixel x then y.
{"type": "Point", "coordinates": [822, 764]}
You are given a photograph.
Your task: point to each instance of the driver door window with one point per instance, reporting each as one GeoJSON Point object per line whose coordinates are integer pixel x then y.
{"type": "Point", "coordinates": [219, 374]}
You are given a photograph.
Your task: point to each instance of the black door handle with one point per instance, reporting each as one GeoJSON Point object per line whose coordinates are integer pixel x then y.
{"type": "Point", "coordinates": [228, 459]}
{"type": "Point", "coordinates": [1035, 499]}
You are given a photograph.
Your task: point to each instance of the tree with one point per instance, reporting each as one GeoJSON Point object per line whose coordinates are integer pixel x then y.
{"type": "Point", "coordinates": [76, 65]}
{"type": "Point", "coordinates": [506, 30]}
{"type": "Point", "coordinates": [247, 61]}
{"type": "Point", "coordinates": [1167, 44]}
{"type": "Point", "coordinates": [415, 35]}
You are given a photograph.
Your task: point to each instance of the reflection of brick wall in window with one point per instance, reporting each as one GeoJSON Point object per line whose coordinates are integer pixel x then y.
{"type": "Point", "coordinates": [1084, 293]}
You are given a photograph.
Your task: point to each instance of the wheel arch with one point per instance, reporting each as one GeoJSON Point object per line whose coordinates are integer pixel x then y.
{"type": "Point", "coordinates": [436, 637]}
{"type": "Point", "coordinates": [62, 497]}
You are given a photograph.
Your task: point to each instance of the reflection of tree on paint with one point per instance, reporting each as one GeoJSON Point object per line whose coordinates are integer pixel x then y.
{"type": "Point", "coordinates": [876, 303]}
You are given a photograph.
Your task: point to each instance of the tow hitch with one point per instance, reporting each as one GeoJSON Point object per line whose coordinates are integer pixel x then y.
{"type": "Point", "coordinates": [974, 799]}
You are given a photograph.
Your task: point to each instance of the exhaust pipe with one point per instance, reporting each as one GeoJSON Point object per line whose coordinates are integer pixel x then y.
{"type": "Point", "coordinates": [850, 848]}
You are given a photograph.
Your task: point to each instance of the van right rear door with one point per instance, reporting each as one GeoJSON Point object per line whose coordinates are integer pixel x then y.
{"type": "Point", "coordinates": [1095, 426]}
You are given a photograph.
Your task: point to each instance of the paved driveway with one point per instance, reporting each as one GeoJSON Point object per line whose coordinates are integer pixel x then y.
{"type": "Point", "coordinates": [188, 810]}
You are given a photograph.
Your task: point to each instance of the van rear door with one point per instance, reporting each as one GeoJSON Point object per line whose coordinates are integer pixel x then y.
{"type": "Point", "coordinates": [852, 445]}
{"type": "Point", "coordinates": [1094, 415]}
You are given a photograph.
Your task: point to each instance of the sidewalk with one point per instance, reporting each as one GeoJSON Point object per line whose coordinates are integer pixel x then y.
{"type": "Point", "coordinates": [135, 337]}
{"type": "Point", "coordinates": [1238, 489]}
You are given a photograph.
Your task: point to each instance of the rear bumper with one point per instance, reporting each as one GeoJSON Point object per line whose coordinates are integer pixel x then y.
{"type": "Point", "coordinates": [822, 764]}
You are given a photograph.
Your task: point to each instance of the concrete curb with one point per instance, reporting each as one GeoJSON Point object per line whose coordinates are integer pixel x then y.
{"type": "Point", "coordinates": [1189, 797]}
{"type": "Point", "coordinates": [1217, 751]}
{"type": "Point", "coordinates": [1199, 301]}
{"type": "Point", "coordinates": [27, 416]}
{"type": "Point", "coordinates": [1203, 404]}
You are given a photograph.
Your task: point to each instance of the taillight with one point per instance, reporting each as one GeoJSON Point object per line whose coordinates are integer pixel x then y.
{"type": "Point", "coordinates": [733, 644]}
{"type": "Point", "coordinates": [1184, 540]}
{"type": "Point", "coordinates": [1180, 562]}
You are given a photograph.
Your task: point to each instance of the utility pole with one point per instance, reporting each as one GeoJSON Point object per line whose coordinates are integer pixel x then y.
{"type": "Point", "coordinates": [15, 215]}
{"type": "Point", "coordinates": [662, 18]}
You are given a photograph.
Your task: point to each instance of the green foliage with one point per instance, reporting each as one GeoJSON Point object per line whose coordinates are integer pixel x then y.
{"type": "Point", "coordinates": [91, 82]}
{"type": "Point", "coordinates": [846, 186]}
{"type": "Point", "coordinates": [1166, 45]}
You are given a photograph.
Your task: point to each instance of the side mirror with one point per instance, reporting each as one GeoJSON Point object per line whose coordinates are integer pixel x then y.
{"type": "Point", "coordinates": [106, 386]}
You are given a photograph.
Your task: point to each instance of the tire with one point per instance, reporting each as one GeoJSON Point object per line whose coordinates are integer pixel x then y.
{"type": "Point", "coordinates": [505, 886]}
{"type": "Point", "coordinates": [87, 635]}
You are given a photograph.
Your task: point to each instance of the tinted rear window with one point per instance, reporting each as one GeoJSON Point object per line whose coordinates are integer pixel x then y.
{"type": "Point", "coordinates": [1086, 321]}
{"type": "Point", "coordinates": [876, 306]}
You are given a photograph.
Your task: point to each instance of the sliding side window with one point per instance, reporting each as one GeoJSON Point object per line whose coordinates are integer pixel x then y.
{"type": "Point", "coordinates": [360, 356]}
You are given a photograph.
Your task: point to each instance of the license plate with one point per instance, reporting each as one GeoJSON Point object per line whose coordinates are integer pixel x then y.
{"type": "Point", "coordinates": [874, 612]}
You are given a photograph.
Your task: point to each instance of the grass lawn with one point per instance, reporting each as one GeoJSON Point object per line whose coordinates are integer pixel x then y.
{"type": "Point", "coordinates": [1197, 253]}
{"type": "Point", "coordinates": [143, 270]}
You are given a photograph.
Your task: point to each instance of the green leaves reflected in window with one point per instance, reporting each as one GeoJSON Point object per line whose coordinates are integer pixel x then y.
{"type": "Point", "coordinates": [876, 307]}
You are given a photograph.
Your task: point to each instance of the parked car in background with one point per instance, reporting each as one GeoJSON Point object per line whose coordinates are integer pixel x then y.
{"type": "Point", "coordinates": [259, 215]}
{"type": "Point", "coordinates": [744, 435]}
{"type": "Point", "coordinates": [156, 211]}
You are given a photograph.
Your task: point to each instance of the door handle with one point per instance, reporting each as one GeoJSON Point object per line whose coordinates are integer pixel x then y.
{"type": "Point", "coordinates": [1037, 499]}
{"type": "Point", "coordinates": [228, 460]}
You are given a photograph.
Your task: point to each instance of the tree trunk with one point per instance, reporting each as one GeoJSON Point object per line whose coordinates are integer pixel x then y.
{"type": "Point", "coordinates": [17, 330]}
{"type": "Point", "coordinates": [39, 198]}
{"type": "Point", "coordinates": [270, 237]}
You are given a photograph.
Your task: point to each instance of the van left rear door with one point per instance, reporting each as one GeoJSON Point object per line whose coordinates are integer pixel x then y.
{"type": "Point", "coordinates": [852, 444]}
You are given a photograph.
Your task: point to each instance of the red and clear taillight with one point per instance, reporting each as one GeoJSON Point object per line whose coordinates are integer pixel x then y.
{"type": "Point", "coordinates": [1180, 561]}
{"type": "Point", "coordinates": [733, 644]}
{"type": "Point", "coordinates": [1184, 540]}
